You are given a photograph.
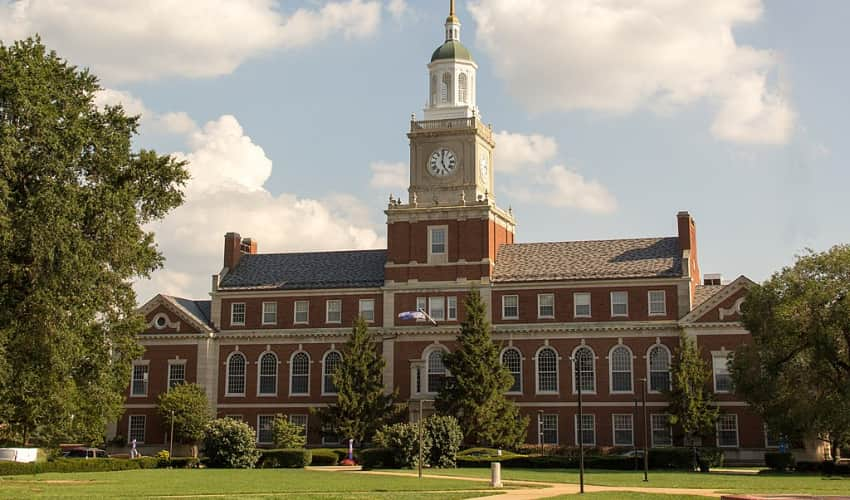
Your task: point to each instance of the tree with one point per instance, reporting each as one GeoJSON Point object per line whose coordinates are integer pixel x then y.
{"type": "Point", "coordinates": [73, 202]}
{"type": "Point", "coordinates": [475, 391]}
{"type": "Point", "coordinates": [796, 371]}
{"type": "Point", "coordinates": [691, 402]}
{"type": "Point", "coordinates": [287, 434]}
{"type": "Point", "coordinates": [361, 407]}
{"type": "Point", "coordinates": [189, 408]}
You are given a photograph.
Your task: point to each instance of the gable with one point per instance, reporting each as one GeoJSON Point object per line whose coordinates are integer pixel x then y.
{"type": "Point", "coordinates": [170, 315]}
{"type": "Point", "coordinates": [729, 309]}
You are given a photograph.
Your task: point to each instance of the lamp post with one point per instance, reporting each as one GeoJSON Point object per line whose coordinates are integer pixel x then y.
{"type": "Point", "coordinates": [171, 437]}
{"type": "Point", "coordinates": [540, 430]}
{"type": "Point", "coordinates": [580, 426]}
{"type": "Point", "coordinates": [421, 418]}
{"type": "Point", "coordinates": [634, 424]}
{"type": "Point", "coordinates": [645, 435]}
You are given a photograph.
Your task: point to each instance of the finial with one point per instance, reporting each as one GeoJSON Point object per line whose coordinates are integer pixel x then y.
{"type": "Point", "coordinates": [452, 8]}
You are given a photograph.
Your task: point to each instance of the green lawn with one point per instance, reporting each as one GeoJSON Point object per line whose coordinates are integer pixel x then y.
{"type": "Point", "coordinates": [725, 482]}
{"type": "Point", "coordinates": [259, 483]}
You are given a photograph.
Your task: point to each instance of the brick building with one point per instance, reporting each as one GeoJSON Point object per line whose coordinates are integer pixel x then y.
{"type": "Point", "coordinates": [270, 334]}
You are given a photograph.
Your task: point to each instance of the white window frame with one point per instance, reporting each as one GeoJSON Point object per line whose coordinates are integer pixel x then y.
{"type": "Point", "coordinates": [130, 428]}
{"type": "Point", "coordinates": [274, 313]}
{"type": "Point", "coordinates": [618, 293]}
{"type": "Point", "coordinates": [650, 371]}
{"type": "Point", "coordinates": [649, 302]}
{"type": "Point", "coordinates": [577, 430]}
{"type": "Point", "coordinates": [575, 372]}
{"type": "Point", "coordinates": [502, 362]}
{"type": "Point", "coordinates": [552, 428]}
{"type": "Point", "coordinates": [438, 257]}
{"type": "Point", "coordinates": [537, 389]}
{"type": "Point", "coordinates": [298, 416]}
{"type": "Point", "coordinates": [451, 308]}
{"type": "Point", "coordinates": [767, 444]}
{"type": "Point", "coordinates": [176, 362]}
{"type": "Point", "coordinates": [576, 304]}
{"type": "Point", "coordinates": [427, 357]}
{"type": "Point", "coordinates": [362, 310]}
{"type": "Point", "coordinates": [505, 306]}
{"type": "Point", "coordinates": [271, 427]}
{"type": "Point", "coordinates": [734, 416]}
{"type": "Point", "coordinates": [653, 429]}
{"type": "Point", "coordinates": [227, 392]}
{"type": "Point", "coordinates": [614, 429]}
{"type": "Point", "coordinates": [720, 370]}
{"type": "Point", "coordinates": [611, 389]}
{"type": "Point", "coordinates": [328, 311]}
{"type": "Point", "coordinates": [233, 313]}
{"type": "Point", "coordinates": [433, 312]}
{"type": "Point", "coordinates": [422, 304]}
{"type": "Point", "coordinates": [145, 378]}
{"type": "Point", "coordinates": [238, 417]}
{"type": "Point", "coordinates": [291, 374]}
{"type": "Point", "coordinates": [540, 305]}
{"type": "Point", "coordinates": [260, 374]}
{"type": "Point", "coordinates": [325, 375]}
{"type": "Point", "coordinates": [306, 312]}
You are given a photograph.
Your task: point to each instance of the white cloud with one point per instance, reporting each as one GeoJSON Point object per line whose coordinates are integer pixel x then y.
{"type": "Point", "coordinates": [514, 151]}
{"type": "Point", "coordinates": [392, 176]}
{"type": "Point", "coordinates": [616, 57]}
{"type": "Point", "coordinates": [151, 122]}
{"type": "Point", "coordinates": [398, 8]}
{"type": "Point", "coordinates": [131, 41]}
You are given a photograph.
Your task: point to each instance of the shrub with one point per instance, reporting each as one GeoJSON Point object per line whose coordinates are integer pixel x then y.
{"type": "Point", "coordinates": [285, 458]}
{"type": "Point", "coordinates": [830, 468]}
{"type": "Point", "coordinates": [185, 462]}
{"type": "Point", "coordinates": [779, 461]}
{"type": "Point", "coordinates": [324, 456]}
{"type": "Point", "coordinates": [808, 466]}
{"type": "Point", "coordinates": [445, 437]}
{"type": "Point", "coordinates": [708, 457]}
{"type": "Point", "coordinates": [403, 439]}
{"type": "Point", "coordinates": [163, 458]}
{"type": "Point", "coordinates": [77, 465]}
{"type": "Point", "coordinates": [287, 434]}
{"type": "Point", "coordinates": [375, 458]}
{"type": "Point", "coordinates": [342, 453]}
{"type": "Point", "coordinates": [230, 443]}
{"type": "Point", "coordinates": [671, 458]}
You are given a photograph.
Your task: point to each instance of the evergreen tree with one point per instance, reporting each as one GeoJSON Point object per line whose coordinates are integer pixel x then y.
{"type": "Point", "coordinates": [74, 201]}
{"type": "Point", "coordinates": [691, 402]}
{"type": "Point", "coordinates": [362, 407]}
{"type": "Point", "coordinates": [475, 391]}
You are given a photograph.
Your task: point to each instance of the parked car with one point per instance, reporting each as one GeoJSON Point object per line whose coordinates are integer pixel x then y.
{"type": "Point", "coordinates": [82, 452]}
{"type": "Point", "coordinates": [632, 454]}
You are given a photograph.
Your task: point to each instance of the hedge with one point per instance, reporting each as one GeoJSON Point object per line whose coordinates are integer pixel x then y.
{"type": "Point", "coordinates": [660, 458]}
{"type": "Point", "coordinates": [184, 463]}
{"type": "Point", "coordinates": [374, 458]}
{"type": "Point", "coordinates": [779, 461]}
{"type": "Point", "coordinates": [831, 468]}
{"type": "Point", "coordinates": [324, 457]}
{"type": "Point", "coordinates": [77, 465]}
{"type": "Point", "coordinates": [285, 458]}
{"type": "Point", "coordinates": [808, 466]}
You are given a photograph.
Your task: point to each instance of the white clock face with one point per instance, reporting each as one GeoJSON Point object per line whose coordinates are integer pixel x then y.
{"type": "Point", "coordinates": [443, 162]}
{"type": "Point", "coordinates": [485, 169]}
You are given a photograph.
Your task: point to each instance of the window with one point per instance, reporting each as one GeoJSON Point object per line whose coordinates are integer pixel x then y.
{"type": "Point", "coordinates": [299, 382]}
{"type": "Point", "coordinates": [722, 377]}
{"type": "Point", "coordinates": [268, 374]}
{"type": "Point", "coordinates": [585, 373]}
{"type": "Point", "coordinates": [301, 420]}
{"type": "Point", "coordinates": [451, 308]}
{"type": "Point", "coordinates": [549, 428]}
{"type": "Point", "coordinates": [662, 432]}
{"type": "Point", "coordinates": [236, 375]}
{"type": "Point", "coordinates": [269, 313]}
{"type": "Point", "coordinates": [437, 308]}
{"type": "Point", "coordinates": [545, 305]}
{"type": "Point", "coordinates": [237, 313]}
{"type": "Point", "coordinates": [588, 430]}
{"type": "Point", "coordinates": [331, 362]}
{"type": "Point", "coordinates": [623, 430]}
{"type": "Point", "coordinates": [771, 439]}
{"type": "Point", "coordinates": [302, 311]}
{"type": "Point", "coordinates": [421, 304]}
{"type": "Point", "coordinates": [510, 307]}
{"type": "Point", "coordinates": [461, 88]}
{"type": "Point", "coordinates": [265, 431]}
{"type": "Point", "coordinates": [367, 310]}
{"type": "Point", "coordinates": [512, 360]}
{"type": "Point", "coordinates": [446, 89]}
{"type": "Point", "coordinates": [659, 369]}
{"type": "Point", "coordinates": [436, 371]}
{"type": "Point", "coordinates": [657, 303]}
{"type": "Point", "coordinates": [727, 430]}
{"type": "Point", "coordinates": [240, 418]}
{"type": "Point", "coordinates": [176, 373]}
{"type": "Point", "coordinates": [438, 240]}
{"type": "Point", "coordinates": [619, 303]}
{"type": "Point", "coordinates": [547, 370]}
{"type": "Point", "coordinates": [581, 305]}
{"type": "Point", "coordinates": [136, 429]}
{"type": "Point", "coordinates": [334, 311]}
{"type": "Point", "coordinates": [140, 380]}
{"type": "Point", "coordinates": [621, 369]}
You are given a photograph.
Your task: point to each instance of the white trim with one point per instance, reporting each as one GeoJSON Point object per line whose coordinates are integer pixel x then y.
{"type": "Point", "coordinates": [502, 362]}
{"type": "Point", "coordinates": [649, 303]}
{"type": "Point", "coordinates": [652, 430]}
{"type": "Point", "coordinates": [577, 430]}
{"type": "Point", "coordinates": [295, 312]}
{"type": "Point", "coordinates": [715, 373]}
{"type": "Point", "coordinates": [541, 295]}
{"type": "Point", "coordinates": [228, 394]}
{"type": "Point", "coordinates": [451, 317]}
{"type": "Point", "coordinates": [536, 358]}
{"type": "Point", "coordinates": [575, 382]}
{"type": "Point", "coordinates": [328, 311]}
{"type": "Point", "coordinates": [276, 374]}
{"type": "Point", "coordinates": [438, 257]}
{"type": "Point", "coordinates": [244, 313]}
{"type": "Point", "coordinates": [146, 378]}
{"type": "Point", "coordinates": [505, 316]}
{"type": "Point", "coordinates": [557, 430]}
{"type": "Point", "coordinates": [649, 389]}
{"type": "Point", "coordinates": [589, 305]}
{"type": "Point", "coordinates": [263, 313]}
{"type": "Point", "coordinates": [611, 299]}
{"type": "Point", "coordinates": [611, 370]}
{"type": "Point", "coordinates": [144, 429]}
{"type": "Point", "coordinates": [437, 299]}
{"type": "Point", "coordinates": [325, 357]}
{"type": "Point", "coordinates": [271, 428]}
{"type": "Point", "coordinates": [737, 431]}
{"type": "Point", "coordinates": [309, 362]}
{"type": "Point", "coordinates": [426, 354]}
{"type": "Point", "coordinates": [174, 362]}
{"type": "Point", "coordinates": [360, 309]}
{"type": "Point", "coordinates": [614, 428]}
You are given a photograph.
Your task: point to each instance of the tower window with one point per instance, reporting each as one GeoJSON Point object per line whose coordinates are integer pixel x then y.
{"type": "Point", "coordinates": [462, 88]}
{"type": "Point", "coordinates": [434, 90]}
{"type": "Point", "coordinates": [446, 89]}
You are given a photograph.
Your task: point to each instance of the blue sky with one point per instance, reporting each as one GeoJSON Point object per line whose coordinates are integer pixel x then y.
{"type": "Point", "coordinates": [610, 119]}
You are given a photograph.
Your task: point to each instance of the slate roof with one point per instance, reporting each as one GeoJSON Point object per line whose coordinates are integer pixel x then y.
{"type": "Point", "coordinates": [200, 309]}
{"type": "Point", "coordinates": [310, 270]}
{"type": "Point", "coordinates": [574, 260]}
{"type": "Point", "coordinates": [705, 292]}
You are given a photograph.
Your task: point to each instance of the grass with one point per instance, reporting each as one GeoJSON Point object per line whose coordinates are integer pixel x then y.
{"type": "Point", "coordinates": [725, 482]}
{"type": "Point", "coordinates": [223, 483]}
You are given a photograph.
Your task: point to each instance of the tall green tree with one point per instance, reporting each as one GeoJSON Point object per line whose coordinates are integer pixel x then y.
{"type": "Point", "coordinates": [796, 371]}
{"type": "Point", "coordinates": [74, 198]}
{"type": "Point", "coordinates": [475, 391]}
{"type": "Point", "coordinates": [362, 407]}
{"type": "Point", "coordinates": [187, 405]}
{"type": "Point", "coordinates": [691, 400]}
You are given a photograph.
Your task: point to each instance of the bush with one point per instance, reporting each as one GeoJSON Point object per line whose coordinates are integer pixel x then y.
{"type": "Point", "coordinates": [285, 458]}
{"type": "Point", "coordinates": [184, 463]}
{"type": "Point", "coordinates": [342, 453]}
{"type": "Point", "coordinates": [286, 434]}
{"type": "Point", "coordinates": [77, 465]}
{"type": "Point", "coordinates": [671, 458]}
{"type": "Point", "coordinates": [230, 443]}
{"type": "Point", "coordinates": [403, 439]}
{"type": "Point", "coordinates": [830, 468]}
{"type": "Point", "coordinates": [708, 458]}
{"type": "Point", "coordinates": [779, 461]}
{"type": "Point", "coordinates": [163, 459]}
{"type": "Point", "coordinates": [324, 456]}
{"type": "Point", "coordinates": [808, 466]}
{"type": "Point", "coordinates": [445, 437]}
{"type": "Point", "coordinates": [376, 458]}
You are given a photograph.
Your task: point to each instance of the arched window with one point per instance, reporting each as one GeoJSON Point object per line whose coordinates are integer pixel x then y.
{"type": "Point", "coordinates": [434, 90]}
{"type": "Point", "coordinates": [547, 370]}
{"type": "Point", "coordinates": [512, 360]}
{"type": "Point", "coordinates": [331, 362]}
{"type": "Point", "coordinates": [621, 369]}
{"type": "Point", "coordinates": [299, 369]}
{"type": "Point", "coordinates": [583, 365]}
{"type": "Point", "coordinates": [268, 374]}
{"type": "Point", "coordinates": [236, 374]}
{"type": "Point", "coordinates": [659, 368]}
{"type": "Point", "coordinates": [446, 89]}
{"type": "Point", "coordinates": [436, 371]}
{"type": "Point", "coordinates": [461, 88]}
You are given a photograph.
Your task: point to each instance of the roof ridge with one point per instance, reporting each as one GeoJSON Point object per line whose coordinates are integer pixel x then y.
{"type": "Point", "coordinates": [313, 252]}
{"type": "Point", "coordinates": [592, 241]}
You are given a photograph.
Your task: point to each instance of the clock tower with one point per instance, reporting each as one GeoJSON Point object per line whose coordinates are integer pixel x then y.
{"type": "Point", "coordinates": [451, 228]}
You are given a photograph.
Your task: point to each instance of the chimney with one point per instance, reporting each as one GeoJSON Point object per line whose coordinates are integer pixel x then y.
{"type": "Point", "coordinates": [712, 279]}
{"type": "Point", "coordinates": [232, 250]}
{"type": "Point", "coordinates": [249, 246]}
{"type": "Point", "coordinates": [688, 246]}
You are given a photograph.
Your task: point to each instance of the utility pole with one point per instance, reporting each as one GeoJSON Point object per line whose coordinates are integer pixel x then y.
{"type": "Point", "coordinates": [421, 429]}
{"type": "Point", "coordinates": [645, 436]}
{"type": "Point", "coordinates": [540, 430]}
{"type": "Point", "coordinates": [578, 360]}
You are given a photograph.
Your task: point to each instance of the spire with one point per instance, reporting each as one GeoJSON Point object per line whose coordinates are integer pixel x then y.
{"type": "Point", "coordinates": [452, 24]}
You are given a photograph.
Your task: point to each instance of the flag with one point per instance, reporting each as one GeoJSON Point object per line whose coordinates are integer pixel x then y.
{"type": "Point", "coordinates": [410, 315]}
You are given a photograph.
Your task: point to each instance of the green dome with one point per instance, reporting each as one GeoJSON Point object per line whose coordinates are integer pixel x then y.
{"type": "Point", "coordinates": [452, 49]}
